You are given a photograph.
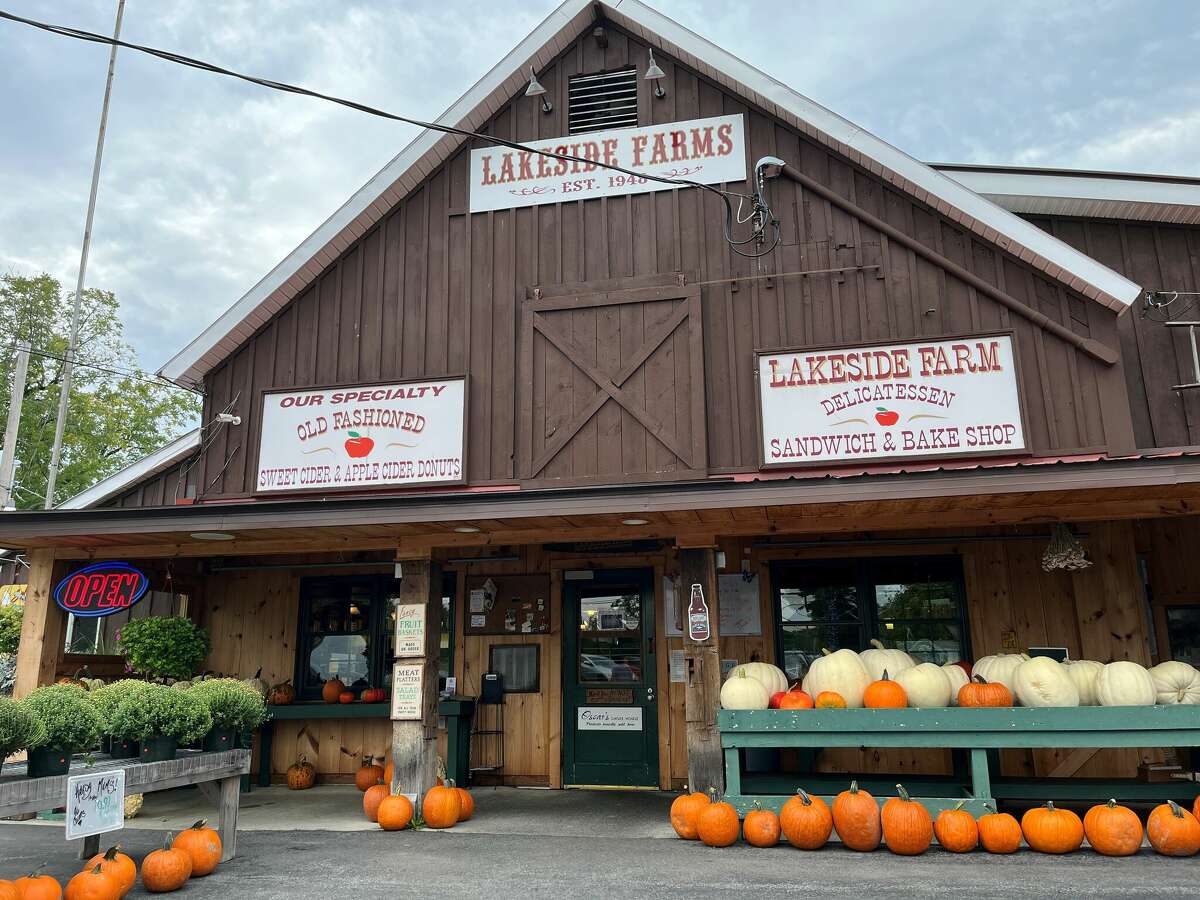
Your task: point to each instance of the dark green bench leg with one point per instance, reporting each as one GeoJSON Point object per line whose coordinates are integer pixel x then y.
{"type": "Point", "coordinates": [264, 754]}
{"type": "Point", "coordinates": [981, 783]}
{"type": "Point", "coordinates": [733, 773]}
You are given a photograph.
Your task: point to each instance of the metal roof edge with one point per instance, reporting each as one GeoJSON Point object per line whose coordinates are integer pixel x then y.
{"type": "Point", "coordinates": [151, 464]}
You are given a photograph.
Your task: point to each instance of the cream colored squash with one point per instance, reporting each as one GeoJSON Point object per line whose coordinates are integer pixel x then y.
{"type": "Point", "coordinates": [1125, 683]}
{"type": "Point", "coordinates": [1001, 667]}
{"type": "Point", "coordinates": [1175, 683]}
{"type": "Point", "coordinates": [740, 691]}
{"type": "Point", "coordinates": [769, 676]}
{"type": "Point", "coordinates": [926, 684]}
{"type": "Point", "coordinates": [841, 671]}
{"type": "Point", "coordinates": [879, 659]}
{"type": "Point", "coordinates": [1043, 681]}
{"type": "Point", "coordinates": [958, 677]}
{"type": "Point", "coordinates": [1084, 673]}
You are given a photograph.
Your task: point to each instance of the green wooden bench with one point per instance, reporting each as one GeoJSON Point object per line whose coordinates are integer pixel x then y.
{"type": "Point", "coordinates": [309, 711]}
{"type": "Point", "coordinates": [975, 734]}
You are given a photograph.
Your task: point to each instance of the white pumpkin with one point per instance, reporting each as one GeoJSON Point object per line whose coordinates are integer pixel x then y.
{"type": "Point", "coordinates": [927, 685]}
{"type": "Point", "coordinates": [1175, 682]}
{"type": "Point", "coordinates": [879, 659]}
{"type": "Point", "coordinates": [1125, 683]}
{"type": "Point", "coordinates": [740, 691]}
{"type": "Point", "coordinates": [1043, 681]}
{"type": "Point", "coordinates": [769, 676]}
{"type": "Point", "coordinates": [1001, 667]}
{"type": "Point", "coordinates": [1084, 673]}
{"type": "Point", "coordinates": [958, 677]}
{"type": "Point", "coordinates": [841, 671]}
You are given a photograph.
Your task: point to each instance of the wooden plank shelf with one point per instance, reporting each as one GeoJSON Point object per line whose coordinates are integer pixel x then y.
{"type": "Point", "coordinates": [329, 711]}
{"type": "Point", "coordinates": [976, 731]}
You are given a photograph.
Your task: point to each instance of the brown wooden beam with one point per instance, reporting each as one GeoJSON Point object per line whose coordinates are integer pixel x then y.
{"type": "Point", "coordinates": [702, 661]}
{"type": "Point", "coordinates": [41, 627]}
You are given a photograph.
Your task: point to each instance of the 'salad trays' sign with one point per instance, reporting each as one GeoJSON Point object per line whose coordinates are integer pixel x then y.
{"type": "Point", "coordinates": [710, 151]}
{"type": "Point", "coordinates": [927, 398]}
{"type": "Point", "coordinates": [101, 589]}
{"type": "Point", "coordinates": [376, 435]}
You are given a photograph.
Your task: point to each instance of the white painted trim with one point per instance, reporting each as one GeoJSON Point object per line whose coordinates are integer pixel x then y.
{"type": "Point", "coordinates": [152, 464]}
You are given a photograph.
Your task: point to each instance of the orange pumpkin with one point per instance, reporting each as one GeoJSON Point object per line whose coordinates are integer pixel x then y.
{"type": "Point", "coordinates": [202, 844]}
{"type": "Point", "coordinates": [717, 825]}
{"type": "Point", "coordinates": [8, 890]}
{"type": "Point", "coordinates": [907, 827]}
{"type": "Point", "coordinates": [116, 864]}
{"type": "Point", "coordinates": [332, 690]}
{"type": "Point", "coordinates": [395, 812]}
{"type": "Point", "coordinates": [685, 813]}
{"type": "Point", "coordinates": [956, 829]}
{"type": "Point", "coordinates": [761, 827]}
{"type": "Point", "coordinates": [372, 798]}
{"type": "Point", "coordinates": [999, 832]}
{"type": "Point", "coordinates": [466, 803]}
{"type": "Point", "coordinates": [93, 884]}
{"type": "Point", "coordinates": [805, 821]}
{"type": "Point", "coordinates": [301, 775]}
{"type": "Point", "coordinates": [885, 694]}
{"type": "Point", "coordinates": [441, 807]}
{"type": "Point", "coordinates": [795, 700]}
{"type": "Point", "coordinates": [856, 818]}
{"type": "Point", "coordinates": [36, 886]}
{"type": "Point", "coordinates": [829, 700]}
{"type": "Point", "coordinates": [978, 692]}
{"type": "Point", "coordinates": [1113, 830]}
{"type": "Point", "coordinates": [166, 870]}
{"type": "Point", "coordinates": [368, 775]}
{"type": "Point", "coordinates": [1048, 829]}
{"type": "Point", "coordinates": [1173, 831]}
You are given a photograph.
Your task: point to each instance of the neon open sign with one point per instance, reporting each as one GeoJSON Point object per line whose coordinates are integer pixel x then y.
{"type": "Point", "coordinates": [101, 589]}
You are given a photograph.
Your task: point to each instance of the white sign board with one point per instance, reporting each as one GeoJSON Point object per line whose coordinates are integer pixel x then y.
{"type": "Point", "coordinates": [408, 679]}
{"type": "Point", "coordinates": [710, 151]}
{"type": "Point", "coordinates": [888, 401]}
{"type": "Point", "coordinates": [347, 438]}
{"type": "Point", "coordinates": [410, 630]}
{"type": "Point", "coordinates": [609, 718]}
{"type": "Point", "coordinates": [738, 611]}
{"type": "Point", "coordinates": [95, 803]}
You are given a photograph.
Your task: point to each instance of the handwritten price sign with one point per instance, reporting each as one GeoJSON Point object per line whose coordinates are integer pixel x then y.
{"type": "Point", "coordinates": [95, 803]}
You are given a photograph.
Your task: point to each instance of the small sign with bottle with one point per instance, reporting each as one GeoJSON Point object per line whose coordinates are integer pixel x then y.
{"type": "Point", "coordinates": [697, 615]}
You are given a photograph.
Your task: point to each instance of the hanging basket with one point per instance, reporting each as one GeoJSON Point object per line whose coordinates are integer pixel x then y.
{"type": "Point", "coordinates": [1064, 553]}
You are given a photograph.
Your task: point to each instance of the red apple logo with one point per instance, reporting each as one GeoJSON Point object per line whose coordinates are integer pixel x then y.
{"type": "Point", "coordinates": [886, 417]}
{"type": "Point", "coordinates": [358, 446]}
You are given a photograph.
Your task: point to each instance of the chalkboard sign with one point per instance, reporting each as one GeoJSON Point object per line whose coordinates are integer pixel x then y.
{"type": "Point", "coordinates": [95, 803]}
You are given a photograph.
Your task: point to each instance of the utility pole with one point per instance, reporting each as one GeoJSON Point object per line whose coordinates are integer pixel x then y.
{"type": "Point", "coordinates": [65, 391]}
{"type": "Point", "coordinates": [8, 463]}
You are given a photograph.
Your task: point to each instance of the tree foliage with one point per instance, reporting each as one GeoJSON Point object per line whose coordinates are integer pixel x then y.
{"type": "Point", "coordinates": [112, 419]}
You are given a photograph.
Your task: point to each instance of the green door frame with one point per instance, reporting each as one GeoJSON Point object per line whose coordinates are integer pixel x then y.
{"type": "Point", "coordinates": [632, 755]}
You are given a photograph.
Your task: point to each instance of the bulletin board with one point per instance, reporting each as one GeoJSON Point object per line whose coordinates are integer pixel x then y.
{"type": "Point", "coordinates": [507, 604]}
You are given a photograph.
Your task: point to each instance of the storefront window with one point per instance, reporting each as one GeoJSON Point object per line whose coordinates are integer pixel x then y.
{"type": "Point", "coordinates": [1183, 633]}
{"type": "Point", "coordinates": [913, 605]}
{"type": "Point", "coordinates": [98, 635]}
{"type": "Point", "coordinates": [610, 636]}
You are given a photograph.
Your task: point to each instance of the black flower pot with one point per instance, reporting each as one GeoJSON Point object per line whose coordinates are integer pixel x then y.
{"type": "Point", "coordinates": [158, 748]}
{"type": "Point", "coordinates": [122, 748]}
{"type": "Point", "coordinates": [220, 739]}
{"type": "Point", "coordinates": [44, 762]}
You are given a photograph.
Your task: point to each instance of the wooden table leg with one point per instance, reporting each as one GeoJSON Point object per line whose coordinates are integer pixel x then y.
{"type": "Point", "coordinates": [265, 734]}
{"type": "Point", "coordinates": [228, 819]}
{"type": "Point", "coordinates": [981, 783]}
{"type": "Point", "coordinates": [733, 773]}
{"type": "Point", "coordinates": [90, 847]}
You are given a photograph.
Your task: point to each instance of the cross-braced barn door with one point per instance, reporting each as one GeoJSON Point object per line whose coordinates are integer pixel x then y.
{"type": "Point", "coordinates": [612, 384]}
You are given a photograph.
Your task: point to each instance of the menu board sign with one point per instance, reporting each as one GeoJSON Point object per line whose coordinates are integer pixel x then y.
{"type": "Point", "coordinates": [408, 679]}
{"type": "Point", "coordinates": [95, 803]}
{"type": "Point", "coordinates": [410, 630]}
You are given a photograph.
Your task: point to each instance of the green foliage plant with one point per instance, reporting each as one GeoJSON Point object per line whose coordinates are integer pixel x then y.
{"type": "Point", "coordinates": [10, 627]}
{"type": "Point", "coordinates": [108, 696]}
{"type": "Point", "coordinates": [164, 646]}
{"type": "Point", "coordinates": [19, 727]}
{"type": "Point", "coordinates": [233, 704]}
{"type": "Point", "coordinates": [161, 711]}
{"type": "Point", "coordinates": [69, 719]}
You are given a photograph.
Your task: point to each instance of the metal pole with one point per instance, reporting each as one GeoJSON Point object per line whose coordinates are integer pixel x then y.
{"type": "Point", "coordinates": [65, 391]}
{"type": "Point", "coordinates": [8, 463]}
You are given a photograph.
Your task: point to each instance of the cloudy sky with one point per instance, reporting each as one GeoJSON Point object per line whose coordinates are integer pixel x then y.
{"type": "Point", "coordinates": [208, 182]}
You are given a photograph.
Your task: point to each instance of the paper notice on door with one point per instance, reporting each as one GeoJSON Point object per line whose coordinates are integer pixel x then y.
{"type": "Point", "coordinates": [677, 667]}
{"type": "Point", "coordinates": [478, 600]}
{"type": "Point", "coordinates": [478, 621]}
{"type": "Point", "coordinates": [609, 718]}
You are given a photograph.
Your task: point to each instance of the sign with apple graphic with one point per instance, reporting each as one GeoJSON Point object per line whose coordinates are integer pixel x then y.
{"type": "Point", "coordinates": [357, 446]}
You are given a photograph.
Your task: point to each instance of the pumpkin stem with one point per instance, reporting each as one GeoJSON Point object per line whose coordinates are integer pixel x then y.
{"type": "Point", "coordinates": [200, 824]}
{"type": "Point", "coordinates": [978, 679]}
{"type": "Point", "coordinates": [1112, 803]}
{"type": "Point", "coordinates": [825, 651]}
{"type": "Point", "coordinates": [1050, 805]}
{"type": "Point", "coordinates": [38, 871]}
{"type": "Point", "coordinates": [96, 870]}
{"type": "Point", "coordinates": [1176, 811]}
{"type": "Point", "coordinates": [712, 794]}
{"type": "Point", "coordinates": [167, 842]}
{"type": "Point", "coordinates": [112, 852]}
{"type": "Point", "coordinates": [854, 787]}
{"type": "Point", "coordinates": [885, 676]}
{"type": "Point", "coordinates": [990, 808]}
{"type": "Point", "coordinates": [804, 798]}
{"type": "Point", "coordinates": [903, 793]}
{"type": "Point", "coordinates": [877, 644]}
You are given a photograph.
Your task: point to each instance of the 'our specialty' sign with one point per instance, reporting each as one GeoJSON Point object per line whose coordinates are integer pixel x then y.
{"type": "Point", "coordinates": [927, 398]}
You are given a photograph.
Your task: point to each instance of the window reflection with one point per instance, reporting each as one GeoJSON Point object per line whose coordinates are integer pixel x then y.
{"type": "Point", "coordinates": [610, 637]}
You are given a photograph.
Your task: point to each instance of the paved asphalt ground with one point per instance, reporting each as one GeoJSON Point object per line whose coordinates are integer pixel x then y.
{"type": "Point", "coordinates": [362, 865]}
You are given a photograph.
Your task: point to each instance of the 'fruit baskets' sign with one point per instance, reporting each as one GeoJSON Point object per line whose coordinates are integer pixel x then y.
{"type": "Point", "coordinates": [947, 397]}
{"type": "Point", "coordinates": [350, 438]}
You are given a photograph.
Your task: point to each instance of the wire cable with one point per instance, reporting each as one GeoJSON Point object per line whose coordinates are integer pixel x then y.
{"type": "Point", "coordinates": [180, 59]}
{"type": "Point", "coordinates": [109, 370]}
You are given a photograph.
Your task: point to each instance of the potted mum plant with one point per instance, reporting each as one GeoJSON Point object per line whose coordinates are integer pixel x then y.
{"type": "Point", "coordinates": [160, 718]}
{"type": "Point", "coordinates": [234, 705]}
{"type": "Point", "coordinates": [70, 722]}
{"type": "Point", "coordinates": [107, 698]}
{"type": "Point", "coordinates": [19, 728]}
{"type": "Point", "coordinates": [163, 648]}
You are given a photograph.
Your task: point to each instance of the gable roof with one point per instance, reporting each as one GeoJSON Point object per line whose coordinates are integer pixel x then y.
{"type": "Point", "coordinates": [146, 467]}
{"type": "Point", "coordinates": [430, 148]}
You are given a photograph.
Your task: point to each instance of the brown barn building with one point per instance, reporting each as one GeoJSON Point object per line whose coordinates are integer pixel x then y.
{"type": "Point", "coordinates": [544, 400]}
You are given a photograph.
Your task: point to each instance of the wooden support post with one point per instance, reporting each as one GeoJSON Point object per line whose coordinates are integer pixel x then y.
{"type": "Point", "coordinates": [414, 743]}
{"type": "Point", "coordinates": [702, 659]}
{"type": "Point", "coordinates": [41, 628]}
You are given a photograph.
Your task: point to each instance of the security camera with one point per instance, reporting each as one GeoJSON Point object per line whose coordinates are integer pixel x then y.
{"type": "Point", "coordinates": [229, 419]}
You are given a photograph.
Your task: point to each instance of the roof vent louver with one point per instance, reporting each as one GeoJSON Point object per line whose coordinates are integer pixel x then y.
{"type": "Point", "coordinates": [603, 100]}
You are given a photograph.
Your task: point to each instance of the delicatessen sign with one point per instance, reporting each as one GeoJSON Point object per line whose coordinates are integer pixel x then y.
{"type": "Point", "coordinates": [927, 398]}
{"type": "Point", "coordinates": [710, 151]}
{"type": "Point", "coordinates": [379, 435]}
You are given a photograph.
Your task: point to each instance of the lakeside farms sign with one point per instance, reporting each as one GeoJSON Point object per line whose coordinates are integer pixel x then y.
{"type": "Point", "coordinates": [926, 398]}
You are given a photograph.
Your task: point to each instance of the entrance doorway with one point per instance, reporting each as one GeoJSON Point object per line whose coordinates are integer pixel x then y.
{"type": "Point", "coordinates": [610, 693]}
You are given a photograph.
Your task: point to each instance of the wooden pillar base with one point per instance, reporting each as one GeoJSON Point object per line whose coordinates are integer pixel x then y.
{"type": "Point", "coordinates": [702, 660]}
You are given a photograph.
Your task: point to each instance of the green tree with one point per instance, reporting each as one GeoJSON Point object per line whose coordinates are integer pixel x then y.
{"type": "Point", "coordinates": [112, 419]}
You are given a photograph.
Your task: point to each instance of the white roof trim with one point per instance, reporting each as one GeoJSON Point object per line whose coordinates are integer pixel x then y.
{"type": "Point", "coordinates": [147, 466]}
{"type": "Point", "coordinates": [984, 217]}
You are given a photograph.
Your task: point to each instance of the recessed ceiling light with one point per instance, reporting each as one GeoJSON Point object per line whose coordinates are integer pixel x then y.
{"type": "Point", "coordinates": [211, 536]}
{"type": "Point", "coordinates": [466, 529]}
{"type": "Point", "coordinates": [635, 521]}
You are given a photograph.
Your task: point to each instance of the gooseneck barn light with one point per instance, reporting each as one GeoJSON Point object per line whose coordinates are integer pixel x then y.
{"type": "Point", "coordinates": [657, 75]}
{"type": "Point", "coordinates": [535, 89]}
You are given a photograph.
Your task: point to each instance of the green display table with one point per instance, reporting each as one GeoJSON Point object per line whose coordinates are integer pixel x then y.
{"type": "Point", "coordinates": [309, 711]}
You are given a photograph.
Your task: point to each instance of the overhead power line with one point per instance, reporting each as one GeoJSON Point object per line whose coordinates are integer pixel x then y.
{"type": "Point", "coordinates": [109, 370]}
{"type": "Point", "coordinates": [763, 219]}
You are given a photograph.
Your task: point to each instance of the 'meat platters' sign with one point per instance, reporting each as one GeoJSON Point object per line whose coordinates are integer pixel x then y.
{"type": "Point", "coordinates": [926, 398]}
{"type": "Point", "coordinates": [710, 151]}
{"type": "Point", "coordinates": [376, 435]}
